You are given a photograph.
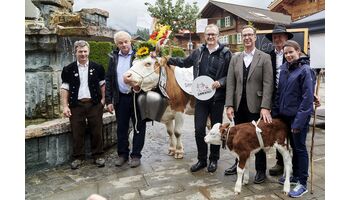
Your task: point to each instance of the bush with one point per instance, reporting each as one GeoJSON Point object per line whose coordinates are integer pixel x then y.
{"type": "Point", "coordinates": [99, 52]}
{"type": "Point", "coordinates": [176, 52]}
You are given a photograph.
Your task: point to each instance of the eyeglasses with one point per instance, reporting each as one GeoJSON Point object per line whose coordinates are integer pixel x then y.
{"type": "Point", "coordinates": [211, 34]}
{"type": "Point", "coordinates": [248, 35]}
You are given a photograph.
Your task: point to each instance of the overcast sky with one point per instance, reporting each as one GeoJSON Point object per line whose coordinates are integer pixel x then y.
{"type": "Point", "coordinates": [128, 14]}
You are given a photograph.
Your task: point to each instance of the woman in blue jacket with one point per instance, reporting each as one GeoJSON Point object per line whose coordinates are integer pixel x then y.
{"type": "Point", "coordinates": [294, 105]}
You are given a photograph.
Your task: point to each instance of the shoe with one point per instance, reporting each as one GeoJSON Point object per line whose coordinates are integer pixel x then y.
{"type": "Point", "coordinates": [298, 191]}
{"type": "Point", "coordinates": [135, 162]}
{"type": "Point", "coordinates": [76, 164]}
{"type": "Point", "coordinates": [100, 162]}
{"type": "Point", "coordinates": [213, 165]}
{"type": "Point", "coordinates": [293, 180]}
{"type": "Point", "coordinates": [232, 170]}
{"type": "Point", "coordinates": [276, 170]}
{"type": "Point", "coordinates": [259, 177]}
{"type": "Point", "coordinates": [120, 161]}
{"type": "Point", "coordinates": [199, 165]}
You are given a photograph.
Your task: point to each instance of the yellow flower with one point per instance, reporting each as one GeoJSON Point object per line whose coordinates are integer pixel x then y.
{"type": "Point", "coordinates": [142, 51]}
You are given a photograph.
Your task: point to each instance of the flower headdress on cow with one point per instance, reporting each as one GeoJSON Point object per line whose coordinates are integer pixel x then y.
{"type": "Point", "coordinates": [157, 39]}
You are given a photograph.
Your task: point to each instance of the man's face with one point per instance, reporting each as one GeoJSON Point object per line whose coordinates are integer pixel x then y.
{"type": "Point", "coordinates": [249, 38]}
{"type": "Point", "coordinates": [124, 44]}
{"type": "Point", "coordinates": [211, 36]}
{"type": "Point", "coordinates": [278, 39]}
{"type": "Point", "coordinates": [82, 54]}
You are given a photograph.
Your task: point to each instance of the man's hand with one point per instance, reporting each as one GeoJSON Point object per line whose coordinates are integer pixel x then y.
{"type": "Point", "coordinates": [317, 101]}
{"type": "Point", "coordinates": [110, 108]}
{"type": "Point", "coordinates": [216, 85]}
{"type": "Point", "coordinates": [295, 130]}
{"type": "Point", "coordinates": [103, 101]}
{"type": "Point", "coordinates": [230, 113]}
{"type": "Point", "coordinates": [266, 115]}
{"type": "Point", "coordinates": [66, 111]}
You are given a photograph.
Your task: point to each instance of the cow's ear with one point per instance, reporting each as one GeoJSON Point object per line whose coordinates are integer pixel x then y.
{"type": "Point", "coordinates": [225, 125]}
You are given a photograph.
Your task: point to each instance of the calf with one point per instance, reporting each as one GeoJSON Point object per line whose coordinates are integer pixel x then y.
{"type": "Point", "coordinates": [242, 140]}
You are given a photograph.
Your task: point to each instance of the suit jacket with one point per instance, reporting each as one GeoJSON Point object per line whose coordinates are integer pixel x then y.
{"type": "Point", "coordinates": [259, 86]}
{"type": "Point", "coordinates": [70, 75]}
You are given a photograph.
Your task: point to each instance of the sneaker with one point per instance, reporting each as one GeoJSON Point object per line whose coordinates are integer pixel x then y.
{"type": "Point", "coordinates": [76, 164]}
{"type": "Point", "coordinates": [276, 170]}
{"type": "Point", "coordinates": [135, 162]}
{"type": "Point", "coordinates": [298, 191]}
{"type": "Point", "coordinates": [120, 161]}
{"type": "Point", "coordinates": [100, 162]}
{"type": "Point", "coordinates": [293, 180]}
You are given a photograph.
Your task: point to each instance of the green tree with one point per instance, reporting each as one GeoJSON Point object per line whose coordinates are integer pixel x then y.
{"type": "Point", "coordinates": [178, 16]}
{"type": "Point", "coordinates": [144, 33]}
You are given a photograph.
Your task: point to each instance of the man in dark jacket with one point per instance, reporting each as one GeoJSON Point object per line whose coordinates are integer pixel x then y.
{"type": "Point", "coordinates": [83, 91]}
{"type": "Point", "coordinates": [212, 59]}
{"type": "Point", "coordinates": [119, 96]}
{"type": "Point", "coordinates": [278, 37]}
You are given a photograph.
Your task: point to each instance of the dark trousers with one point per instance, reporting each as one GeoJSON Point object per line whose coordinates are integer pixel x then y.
{"type": "Point", "coordinates": [125, 111]}
{"type": "Point", "coordinates": [93, 114]}
{"type": "Point", "coordinates": [203, 109]}
{"type": "Point", "coordinates": [243, 115]}
{"type": "Point", "coordinates": [300, 159]}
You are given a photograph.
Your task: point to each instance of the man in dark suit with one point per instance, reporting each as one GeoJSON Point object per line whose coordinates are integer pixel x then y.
{"type": "Point", "coordinates": [119, 96]}
{"type": "Point", "coordinates": [83, 91]}
{"type": "Point", "coordinates": [249, 90]}
{"type": "Point", "coordinates": [278, 37]}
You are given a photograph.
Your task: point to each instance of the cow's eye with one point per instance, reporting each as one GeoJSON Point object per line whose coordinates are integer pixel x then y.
{"type": "Point", "coordinates": [148, 64]}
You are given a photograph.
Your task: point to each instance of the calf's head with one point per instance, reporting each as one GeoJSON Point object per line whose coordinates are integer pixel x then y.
{"type": "Point", "coordinates": [215, 134]}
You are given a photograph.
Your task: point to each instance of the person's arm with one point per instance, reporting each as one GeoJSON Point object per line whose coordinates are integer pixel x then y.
{"type": "Point", "coordinates": [183, 62]}
{"type": "Point", "coordinates": [222, 80]}
{"type": "Point", "coordinates": [266, 101]}
{"type": "Point", "coordinates": [109, 87]}
{"type": "Point", "coordinates": [230, 89]}
{"type": "Point", "coordinates": [64, 102]}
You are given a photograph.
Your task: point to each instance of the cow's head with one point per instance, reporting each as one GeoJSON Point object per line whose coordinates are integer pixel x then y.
{"type": "Point", "coordinates": [214, 135]}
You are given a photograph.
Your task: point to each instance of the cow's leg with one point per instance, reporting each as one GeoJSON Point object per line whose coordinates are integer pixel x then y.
{"type": "Point", "coordinates": [246, 172]}
{"type": "Point", "coordinates": [287, 161]}
{"type": "Point", "coordinates": [179, 121]}
{"type": "Point", "coordinates": [240, 172]}
{"type": "Point", "coordinates": [172, 143]}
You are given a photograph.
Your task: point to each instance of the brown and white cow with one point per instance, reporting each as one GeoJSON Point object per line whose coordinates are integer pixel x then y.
{"type": "Point", "coordinates": [242, 140]}
{"type": "Point", "coordinates": [145, 74]}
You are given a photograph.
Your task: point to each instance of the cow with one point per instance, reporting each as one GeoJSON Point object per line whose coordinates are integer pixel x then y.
{"type": "Point", "coordinates": [242, 140]}
{"type": "Point", "coordinates": [145, 73]}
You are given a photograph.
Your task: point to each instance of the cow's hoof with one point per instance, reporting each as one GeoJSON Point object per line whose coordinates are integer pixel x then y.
{"type": "Point", "coordinates": [171, 153]}
{"type": "Point", "coordinates": [179, 155]}
{"type": "Point", "coordinates": [236, 193]}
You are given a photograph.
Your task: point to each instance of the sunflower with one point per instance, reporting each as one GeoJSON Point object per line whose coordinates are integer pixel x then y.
{"type": "Point", "coordinates": [142, 51]}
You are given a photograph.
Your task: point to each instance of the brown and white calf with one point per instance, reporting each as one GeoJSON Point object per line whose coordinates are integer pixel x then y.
{"type": "Point", "coordinates": [242, 140]}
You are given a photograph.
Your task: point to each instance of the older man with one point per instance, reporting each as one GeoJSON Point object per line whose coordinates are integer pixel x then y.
{"type": "Point", "coordinates": [119, 97]}
{"type": "Point", "coordinates": [83, 91]}
{"type": "Point", "coordinates": [249, 92]}
{"type": "Point", "coordinates": [211, 59]}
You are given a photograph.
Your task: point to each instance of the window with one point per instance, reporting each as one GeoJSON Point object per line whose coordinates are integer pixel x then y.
{"type": "Point", "coordinates": [239, 38]}
{"type": "Point", "coordinates": [227, 21]}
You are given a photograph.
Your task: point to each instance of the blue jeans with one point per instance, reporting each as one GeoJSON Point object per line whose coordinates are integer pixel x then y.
{"type": "Point", "coordinates": [125, 111]}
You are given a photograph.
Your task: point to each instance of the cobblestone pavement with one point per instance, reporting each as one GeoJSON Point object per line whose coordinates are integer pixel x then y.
{"type": "Point", "coordinates": [162, 177]}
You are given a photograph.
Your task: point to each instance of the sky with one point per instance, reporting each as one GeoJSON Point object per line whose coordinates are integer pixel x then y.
{"type": "Point", "coordinates": [128, 14]}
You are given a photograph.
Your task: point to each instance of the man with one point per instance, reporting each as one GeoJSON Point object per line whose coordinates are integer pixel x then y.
{"type": "Point", "coordinates": [211, 59]}
{"type": "Point", "coordinates": [119, 97]}
{"type": "Point", "coordinates": [83, 91]}
{"type": "Point", "coordinates": [278, 37]}
{"type": "Point", "coordinates": [249, 92]}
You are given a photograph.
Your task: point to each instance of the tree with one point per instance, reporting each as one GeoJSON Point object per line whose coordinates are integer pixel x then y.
{"type": "Point", "coordinates": [144, 33]}
{"type": "Point", "coordinates": [178, 16]}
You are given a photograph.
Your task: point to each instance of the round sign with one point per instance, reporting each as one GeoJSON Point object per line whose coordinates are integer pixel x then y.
{"type": "Point", "coordinates": [201, 88]}
{"type": "Point", "coordinates": [184, 77]}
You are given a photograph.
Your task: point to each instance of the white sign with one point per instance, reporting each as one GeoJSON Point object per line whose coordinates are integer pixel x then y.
{"type": "Point", "coordinates": [184, 77]}
{"type": "Point", "coordinates": [202, 88]}
{"type": "Point", "coordinates": [200, 25]}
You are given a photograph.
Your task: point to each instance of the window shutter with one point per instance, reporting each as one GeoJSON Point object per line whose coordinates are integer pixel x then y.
{"type": "Point", "coordinates": [222, 22]}
{"type": "Point", "coordinates": [218, 23]}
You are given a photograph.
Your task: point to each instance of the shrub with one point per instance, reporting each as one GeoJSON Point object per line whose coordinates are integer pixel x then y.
{"type": "Point", "coordinates": [99, 52]}
{"type": "Point", "coordinates": [176, 52]}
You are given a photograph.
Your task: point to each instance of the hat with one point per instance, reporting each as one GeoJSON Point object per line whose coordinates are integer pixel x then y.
{"type": "Point", "coordinates": [279, 29]}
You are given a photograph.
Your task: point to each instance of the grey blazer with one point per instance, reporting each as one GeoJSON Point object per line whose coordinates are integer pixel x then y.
{"type": "Point", "coordinates": [259, 86]}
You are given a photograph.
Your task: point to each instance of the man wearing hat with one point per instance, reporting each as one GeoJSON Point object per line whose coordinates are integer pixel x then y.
{"type": "Point", "coordinates": [278, 37]}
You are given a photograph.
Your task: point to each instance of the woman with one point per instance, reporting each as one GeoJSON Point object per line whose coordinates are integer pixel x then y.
{"type": "Point", "coordinates": [294, 105]}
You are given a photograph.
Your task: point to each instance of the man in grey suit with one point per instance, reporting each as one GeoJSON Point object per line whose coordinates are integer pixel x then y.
{"type": "Point", "coordinates": [249, 92]}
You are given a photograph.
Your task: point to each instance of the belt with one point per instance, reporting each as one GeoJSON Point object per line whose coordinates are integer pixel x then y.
{"type": "Point", "coordinates": [85, 100]}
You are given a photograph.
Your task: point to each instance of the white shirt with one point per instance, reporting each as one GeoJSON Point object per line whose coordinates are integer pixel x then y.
{"type": "Point", "coordinates": [248, 57]}
{"type": "Point", "coordinates": [122, 67]}
{"type": "Point", "coordinates": [84, 91]}
{"type": "Point", "coordinates": [213, 49]}
{"type": "Point", "coordinates": [279, 62]}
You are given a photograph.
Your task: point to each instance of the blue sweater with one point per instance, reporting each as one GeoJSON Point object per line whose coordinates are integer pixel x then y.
{"type": "Point", "coordinates": [294, 96]}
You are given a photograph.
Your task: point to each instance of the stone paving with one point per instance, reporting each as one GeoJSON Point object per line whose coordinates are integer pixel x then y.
{"type": "Point", "coordinates": [162, 177]}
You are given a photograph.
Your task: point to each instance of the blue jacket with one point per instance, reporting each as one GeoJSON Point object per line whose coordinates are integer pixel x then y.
{"type": "Point", "coordinates": [295, 93]}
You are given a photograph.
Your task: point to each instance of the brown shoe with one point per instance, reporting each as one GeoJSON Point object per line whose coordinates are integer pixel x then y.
{"type": "Point", "coordinates": [120, 161]}
{"type": "Point", "coordinates": [135, 162]}
{"type": "Point", "coordinates": [76, 164]}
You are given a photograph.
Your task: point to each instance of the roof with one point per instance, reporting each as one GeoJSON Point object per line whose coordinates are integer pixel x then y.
{"type": "Point", "coordinates": [314, 17]}
{"type": "Point", "coordinates": [247, 13]}
{"type": "Point", "coordinates": [315, 22]}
